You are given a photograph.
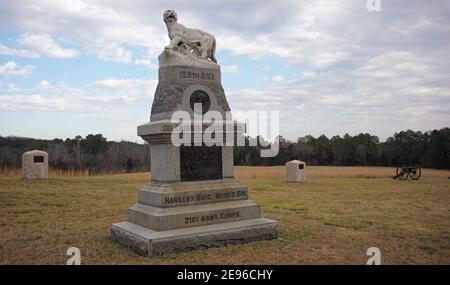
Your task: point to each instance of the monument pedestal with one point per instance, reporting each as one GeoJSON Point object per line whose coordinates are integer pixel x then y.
{"type": "Point", "coordinates": [181, 216]}
{"type": "Point", "coordinates": [147, 242]}
{"type": "Point", "coordinates": [192, 200]}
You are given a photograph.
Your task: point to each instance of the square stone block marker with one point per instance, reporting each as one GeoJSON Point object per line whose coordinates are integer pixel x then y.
{"type": "Point", "coordinates": [35, 164]}
{"type": "Point", "coordinates": [295, 171]}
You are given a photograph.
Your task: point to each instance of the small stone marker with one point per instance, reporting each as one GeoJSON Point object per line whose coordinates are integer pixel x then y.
{"type": "Point", "coordinates": [295, 171]}
{"type": "Point", "coordinates": [35, 164]}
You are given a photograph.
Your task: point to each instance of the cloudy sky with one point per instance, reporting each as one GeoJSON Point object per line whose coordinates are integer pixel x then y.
{"type": "Point", "coordinates": [330, 67]}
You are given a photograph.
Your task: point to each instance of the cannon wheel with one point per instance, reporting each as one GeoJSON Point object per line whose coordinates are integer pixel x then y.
{"type": "Point", "coordinates": [402, 174]}
{"type": "Point", "coordinates": [415, 173]}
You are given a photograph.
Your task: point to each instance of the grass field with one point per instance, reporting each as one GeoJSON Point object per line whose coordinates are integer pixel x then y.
{"type": "Point", "coordinates": [330, 219]}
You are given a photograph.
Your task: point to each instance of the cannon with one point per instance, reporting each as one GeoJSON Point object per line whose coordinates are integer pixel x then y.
{"type": "Point", "coordinates": [403, 172]}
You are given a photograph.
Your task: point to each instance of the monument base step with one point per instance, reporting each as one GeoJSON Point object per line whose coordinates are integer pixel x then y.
{"type": "Point", "coordinates": [148, 242]}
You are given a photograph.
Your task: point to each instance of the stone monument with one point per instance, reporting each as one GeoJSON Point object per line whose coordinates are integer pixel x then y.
{"type": "Point", "coordinates": [192, 200]}
{"type": "Point", "coordinates": [35, 164]}
{"type": "Point", "coordinates": [295, 171]}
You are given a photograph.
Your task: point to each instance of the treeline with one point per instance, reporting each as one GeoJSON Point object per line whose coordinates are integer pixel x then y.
{"type": "Point", "coordinates": [430, 149]}
{"type": "Point", "coordinates": [93, 153]}
{"type": "Point", "coordinates": [97, 155]}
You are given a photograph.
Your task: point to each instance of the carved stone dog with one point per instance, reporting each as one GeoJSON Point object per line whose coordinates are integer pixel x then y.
{"type": "Point", "coordinates": [202, 43]}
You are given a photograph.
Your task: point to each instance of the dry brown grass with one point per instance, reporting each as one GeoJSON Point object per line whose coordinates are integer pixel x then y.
{"type": "Point", "coordinates": [265, 172]}
{"type": "Point", "coordinates": [9, 172]}
{"type": "Point", "coordinates": [70, 172]}
{"type": "Point", "coordinates": [52, 172]}
{"type": "Point", "coordinates": [327, 220]}
{"type": "Point", "coordinates": [278, 172]}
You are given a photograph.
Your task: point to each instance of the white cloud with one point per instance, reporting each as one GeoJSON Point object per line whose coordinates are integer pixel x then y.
{"type": "Point", "coordinates": [111, 52]}
{"type": "Point", "coordinates": [8, 68]}
{"type": "Point", "coordinates": [121, 84]}
{"type": "Point", "coordinates": [4, 50]}
{"type": "Point", "coordinates": [230, 68]}
{"type": "Point", "coordinates": [278, 78]}
{"type": "Point", "coordinates": [42, 85]}
{"type": "Point", "coordinates": [12, 88]}
{"type": "Point", "coordinates": [146, 62]}
{"type": "Point", "coordinates": [105, 30]}
{"type": "Point", "coordinates": [37, 45]}
{"type": "Point", "coordinates": [109, 98]}
{"type": "Point", "coordinates": [11, 68]}
{"type": "Point", "coordinates": [44, 45]}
